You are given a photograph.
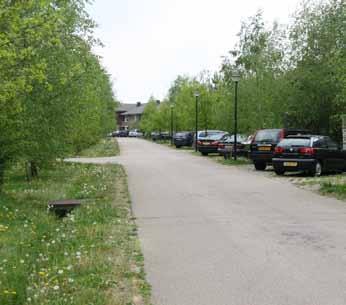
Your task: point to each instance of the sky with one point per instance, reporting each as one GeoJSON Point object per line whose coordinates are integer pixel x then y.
{"type": "Point", "coordinates": [148, 43]}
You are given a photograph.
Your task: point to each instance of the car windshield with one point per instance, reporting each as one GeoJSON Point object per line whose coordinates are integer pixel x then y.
{"type": "Point", "coordinates": [211, 135]}
{"type": "Point", "coordinates": [295, 142]}
{"type": "Point", "coordinates": [267, 135]}
{"type": "Point", "coordinates": [240, 138]}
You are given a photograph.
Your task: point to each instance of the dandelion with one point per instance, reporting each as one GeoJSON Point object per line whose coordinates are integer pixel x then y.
{"type": "Point", "coordinates": [41, 273]}
{"type": "Point", "coordinates": [56, 287]}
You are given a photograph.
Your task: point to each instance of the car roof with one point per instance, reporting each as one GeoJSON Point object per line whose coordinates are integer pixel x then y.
{"type": "Point", "coordinates": [209, 130]}
{"type": "Point", "coordinates": [304, 136]}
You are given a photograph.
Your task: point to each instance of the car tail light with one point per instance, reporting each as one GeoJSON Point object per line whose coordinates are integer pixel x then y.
{"type": "Point", "coordinates": [279, 150]}
{"type": "Point", "coordinates": [215, 143]}
{"type": "Point", "coordinates": [221, 145]}
{"type": "Point", "coordinates": [199, 143]}
{"type": "Point", "coordinates": [306, 151]}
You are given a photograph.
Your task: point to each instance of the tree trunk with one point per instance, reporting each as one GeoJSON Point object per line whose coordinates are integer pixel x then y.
{"type": "Point", "coordinates": [31, 170]}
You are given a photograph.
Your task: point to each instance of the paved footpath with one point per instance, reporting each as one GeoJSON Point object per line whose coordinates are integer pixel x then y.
{"type": "Point", "coordinates": [218, 235]}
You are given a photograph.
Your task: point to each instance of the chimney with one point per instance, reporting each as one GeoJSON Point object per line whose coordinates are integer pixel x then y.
{"type": "Point", "coordinates": [138, 104]}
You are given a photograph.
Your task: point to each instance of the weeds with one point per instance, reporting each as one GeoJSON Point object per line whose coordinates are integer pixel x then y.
{"type": "Point", "coordinates": [90, 257]}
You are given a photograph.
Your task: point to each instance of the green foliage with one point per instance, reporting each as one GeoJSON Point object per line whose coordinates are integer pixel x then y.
{"type": "Point", "coordinates": [291, 76]}
{"type": "Point", "coordinates": [54, 95]}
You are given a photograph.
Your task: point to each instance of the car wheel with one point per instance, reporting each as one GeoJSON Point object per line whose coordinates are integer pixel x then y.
{"type": "Point", "coordinates": [317, 171]}
{"type": "Point", "coordinates": [279, 171]}
{"type": "Point", "coordinates": [260, 166]}
{"type": "Point", "coordinates": [204, 154]}
{"type": "Point", "coordinates": [177, 146]}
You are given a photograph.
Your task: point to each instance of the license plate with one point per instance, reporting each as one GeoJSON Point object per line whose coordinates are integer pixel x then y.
{"type": "Point", "coordinates": [264, 148]}
{"type": "Point", "coordinates": [206, 143]}
{"type": "Point", "coordinates": [291, 164]}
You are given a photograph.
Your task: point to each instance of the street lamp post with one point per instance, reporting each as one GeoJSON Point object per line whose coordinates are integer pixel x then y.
{"type": "Point", "coordinates": [172, 107]}
{"type": "Point", "coordinates": [196, 129]}
{"type": "Point", "coordinates": [235, 79]}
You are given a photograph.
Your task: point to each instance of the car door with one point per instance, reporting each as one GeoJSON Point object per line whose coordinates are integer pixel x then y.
{"type": "Point", "coordinates": [322, 153]}
{"type": "Point", "coordinates": [337, 161]}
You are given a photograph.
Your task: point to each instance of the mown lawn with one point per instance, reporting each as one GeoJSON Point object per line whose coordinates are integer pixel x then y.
{"type": "Point", "coordinates": [90, 257]}
{"type": "Point", "coordinates": [105, 148]}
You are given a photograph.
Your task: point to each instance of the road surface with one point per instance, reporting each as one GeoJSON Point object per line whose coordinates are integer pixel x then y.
{"type": "Point", "coordinates": [218, 235]}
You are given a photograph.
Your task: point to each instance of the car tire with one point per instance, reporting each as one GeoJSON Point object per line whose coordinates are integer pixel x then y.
{"type": "Point", "coordinates": [260, 166]}
{"type": "Point", "coordinates": [204, 154]}
{"type": "Point", "coordinates": [279, 171]}
{"type": "Point", "coordinates": [317, 171]}
{"type": "Point", "coordinates": [177, 146]}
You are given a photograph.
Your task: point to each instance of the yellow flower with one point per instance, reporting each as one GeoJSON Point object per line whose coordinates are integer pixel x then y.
{"type": "Point", "coordinates": [41, 273]}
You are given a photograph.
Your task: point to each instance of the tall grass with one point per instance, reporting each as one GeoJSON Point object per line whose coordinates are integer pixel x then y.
{"type": "Point", "coordinates": [90, 257]}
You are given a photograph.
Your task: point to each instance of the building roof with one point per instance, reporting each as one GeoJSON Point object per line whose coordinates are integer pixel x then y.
{"type": "Point", "coordinates": [124, 107]}
{"type": "Point", "coordinates": [131, 109]}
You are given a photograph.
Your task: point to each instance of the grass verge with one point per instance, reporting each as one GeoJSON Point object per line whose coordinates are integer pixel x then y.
{"type": "Point", "coordinates": [89, 257]}
{"type": "Point", "coordinates": [232, 162]}
{"type": "Point", "coordinates": [105, 148]}
{"type": "Point", "coordinates": [330, 185]}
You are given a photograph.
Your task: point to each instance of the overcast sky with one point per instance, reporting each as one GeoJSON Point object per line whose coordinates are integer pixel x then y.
{"type": "Point", "coordinates": [148, 43]}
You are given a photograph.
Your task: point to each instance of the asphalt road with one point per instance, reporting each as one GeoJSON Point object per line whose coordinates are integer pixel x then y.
{"type": "Point", "coordinates": [218, 235]}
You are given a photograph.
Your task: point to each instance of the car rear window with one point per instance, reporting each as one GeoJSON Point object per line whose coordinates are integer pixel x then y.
{"type": "Point", "coordinates": [298, 142]}
{"type": "Point", "coordinates": [182, 134]}
{"type": "Point", "coordinates": [211, 135]}
{"type": "Point", "coordinates": [267, 135]}
{"type": "Point", "coordinates": [208, 133]}
{"type": "Point", "coordinates": [240, 138]}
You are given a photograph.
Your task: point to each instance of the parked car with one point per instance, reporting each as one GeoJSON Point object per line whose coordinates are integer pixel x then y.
{"type": "Point", "coordinates": [122, 133]}
{"type": "Point", "coordinates": [135, 133]}
{"type": "Point", "coordinates": [183, 138]}
{"type": "Point", "coordinates": [226, 146]}
{"type": "Point", "coordinates": [165, 135]}
{"type": "Point", "coordinates": [208, 141]}
{"type": "Point", "coordinates": [264, 142]}
{"type": "Point", "coordinates": [155, 136]}
{"type": "Point", "coordinates": [314, 154]}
